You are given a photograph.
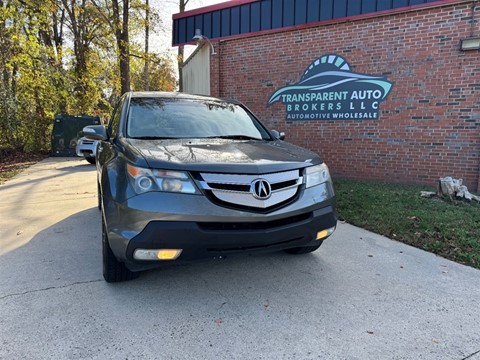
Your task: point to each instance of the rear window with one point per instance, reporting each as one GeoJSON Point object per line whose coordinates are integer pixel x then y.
{"type": "Point", "coordinates": [185, 118]}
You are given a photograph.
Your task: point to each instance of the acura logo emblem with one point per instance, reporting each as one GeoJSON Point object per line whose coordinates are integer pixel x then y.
{"type": "Point", "coordinates": [261, 189]}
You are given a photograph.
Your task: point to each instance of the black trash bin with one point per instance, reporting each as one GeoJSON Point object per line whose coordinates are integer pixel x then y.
{"type": "Point", "coordinates": [67, 129]}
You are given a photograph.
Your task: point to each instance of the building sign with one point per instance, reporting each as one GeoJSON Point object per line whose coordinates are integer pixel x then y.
{"type": "Point", "coordinates": [329, 90]}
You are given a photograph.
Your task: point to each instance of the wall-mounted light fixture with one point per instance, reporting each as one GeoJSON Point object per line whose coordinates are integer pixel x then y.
{"type": "Point", "coordinates": [199, 38]}
{"type": "Point", "coordinates": [472, 43]}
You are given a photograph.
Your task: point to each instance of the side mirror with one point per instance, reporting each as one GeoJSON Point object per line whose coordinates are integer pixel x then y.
{"type": "Point", "coordinates": [95, 132]}
{"type": "Point", "coordinates": [278, 135]}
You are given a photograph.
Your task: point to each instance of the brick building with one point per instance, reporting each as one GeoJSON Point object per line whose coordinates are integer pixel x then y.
{"type": "Point", "coordinates": [285, 58]}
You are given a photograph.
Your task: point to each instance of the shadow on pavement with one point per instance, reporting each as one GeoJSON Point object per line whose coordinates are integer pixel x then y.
{"type": "Point", "coordinates": [60, 171]}
{"type": "Point", "coordinates": [69, 252]}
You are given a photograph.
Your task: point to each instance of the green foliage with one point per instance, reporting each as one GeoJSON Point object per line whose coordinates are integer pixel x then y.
{"type": "Point", "coordinates": [450, 228]}
{"type": "Point", "coordinates": [60, 56]}
{"type": "Point", "coordinates": [161, 74]}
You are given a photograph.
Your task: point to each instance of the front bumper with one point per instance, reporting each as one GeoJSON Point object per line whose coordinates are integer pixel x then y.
{"type": "Point", "coordinates": [86, 148]}
{"type": "Point", "coordinates": [204, 230]}
{"type": "Point", "coordinates": [211, 240]}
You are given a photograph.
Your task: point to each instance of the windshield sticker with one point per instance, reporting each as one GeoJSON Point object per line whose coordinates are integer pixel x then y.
{"type": "Point", "coordinates": [328, 90]}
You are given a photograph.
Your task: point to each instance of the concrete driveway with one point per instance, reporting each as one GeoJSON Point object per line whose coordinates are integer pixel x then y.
{"type": "Point", "coordinates": [361, 296]}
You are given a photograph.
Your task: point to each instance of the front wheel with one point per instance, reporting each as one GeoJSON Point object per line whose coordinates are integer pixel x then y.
{"type": "Point", "coordinates": [303, 249]}
{"type": "Point", "coordinates": [113, 270]}
{"type": "Point", "coordinates": [99, 197]}
{"type": "Point", "coordinates": [90, 159]}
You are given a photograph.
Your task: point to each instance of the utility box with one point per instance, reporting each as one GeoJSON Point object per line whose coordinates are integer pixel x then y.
{"type": "Point", "coordinates": [67, 129]}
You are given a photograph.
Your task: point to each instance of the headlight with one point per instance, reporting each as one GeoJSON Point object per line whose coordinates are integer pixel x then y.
{"type": "Point", "coordinates": [144, 180]}
{"type": "Point", "coordinates": [316, 175]}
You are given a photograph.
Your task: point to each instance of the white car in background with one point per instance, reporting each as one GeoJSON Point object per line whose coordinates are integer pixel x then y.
{"type": "Point", "coordinates": [86, 148]}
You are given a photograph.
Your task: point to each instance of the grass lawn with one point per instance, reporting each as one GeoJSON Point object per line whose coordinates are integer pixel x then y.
{"type": "Point", "coordinates": [450, 228]}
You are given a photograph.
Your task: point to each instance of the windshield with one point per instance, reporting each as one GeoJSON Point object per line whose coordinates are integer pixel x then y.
{"type": "Point", "coordinates": [167, 118]}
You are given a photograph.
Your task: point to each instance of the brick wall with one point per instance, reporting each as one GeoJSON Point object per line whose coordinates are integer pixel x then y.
{"type": "Point", "coordinates": [429, 126]}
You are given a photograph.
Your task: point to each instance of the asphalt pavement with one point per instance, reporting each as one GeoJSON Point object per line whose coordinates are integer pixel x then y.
{"type": "Point", "coordinates": [360, 296]}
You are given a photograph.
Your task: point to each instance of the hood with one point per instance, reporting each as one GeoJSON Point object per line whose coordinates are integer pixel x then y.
{"type": "Point", "coordinates": [223, 155]}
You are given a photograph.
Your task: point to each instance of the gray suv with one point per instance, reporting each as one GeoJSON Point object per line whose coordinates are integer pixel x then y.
{"type": "Point", "coordinates": [183, 177]}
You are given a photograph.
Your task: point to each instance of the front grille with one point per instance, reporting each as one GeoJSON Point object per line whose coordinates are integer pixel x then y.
{"type": "Point", "coordinates": [237, 190]}
{"type": "Point", "coordinates": [230, 187]}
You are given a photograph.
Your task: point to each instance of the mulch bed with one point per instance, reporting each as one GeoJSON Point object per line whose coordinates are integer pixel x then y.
{"type": "Point", "coordinates": [13, 160]}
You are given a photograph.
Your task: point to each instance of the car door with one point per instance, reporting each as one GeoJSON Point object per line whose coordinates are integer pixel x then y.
{"type": "Point", "coordinates": [107, 153]}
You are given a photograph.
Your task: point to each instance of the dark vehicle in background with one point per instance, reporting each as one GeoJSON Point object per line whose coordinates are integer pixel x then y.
{"type": "Point", "coordinates": [183, 177]}
{"type": "Point", "coordinates": [66, 134]}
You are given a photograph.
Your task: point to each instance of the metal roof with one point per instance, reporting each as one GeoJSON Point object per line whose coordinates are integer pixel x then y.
{"type": "Point", "coordinates": [244, 17]}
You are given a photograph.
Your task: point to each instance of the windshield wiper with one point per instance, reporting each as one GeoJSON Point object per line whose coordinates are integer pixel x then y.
{"type": "Point", "coordinates": [153, 137]}
{"type": "Point", "coordinates": [234, 137]}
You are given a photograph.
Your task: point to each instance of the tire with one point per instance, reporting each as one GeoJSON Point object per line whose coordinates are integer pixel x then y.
{"type": "Point", "coordinates": [99, 197]}
{"type": "Point", "coordinates": [113, 270]}
{"type": "Point", "coordinates": [91, 160]}
{"type": "Point", "coordinates": [302, 250]}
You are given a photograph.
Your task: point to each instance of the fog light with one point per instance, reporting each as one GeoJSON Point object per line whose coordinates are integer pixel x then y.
{"type": "Point", "coordinates": [156, 254]}
{"type": "Point", "coordinates": [169, 254]}
{"type": "Point", "coordinates": [324, 233]}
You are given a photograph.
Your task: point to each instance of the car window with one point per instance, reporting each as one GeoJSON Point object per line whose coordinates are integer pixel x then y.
{"type": "Point", "coordinates": [115, 122]}
{"type": "Point", "coordinates": [190, 118]}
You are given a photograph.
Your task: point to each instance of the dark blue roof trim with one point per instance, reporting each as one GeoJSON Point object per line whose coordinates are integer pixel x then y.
{"type": "Point", "coordinates": [263, 15]}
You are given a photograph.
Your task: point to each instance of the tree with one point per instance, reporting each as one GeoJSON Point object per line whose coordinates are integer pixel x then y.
{"type": "Point", "coordinates": [71, 56]}
{"type": "Point", "coordinates": [30, 61]}
{"type": "Point", "coordinates": [118, 20]}
{"type": "Point", "coordinates": [9, 27]}
{"type": "Point", "coordinates": [162, 74]}
{"type": "Point", "coordinates": [147, 38]}
{"type": "Point", "coordinates": [121, 18]}
{"type": "Point", "coordinates": [86, 29]}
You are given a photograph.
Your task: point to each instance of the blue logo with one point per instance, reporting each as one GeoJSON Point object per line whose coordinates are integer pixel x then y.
{"type": "Point", "coordinates": [329, 90]}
